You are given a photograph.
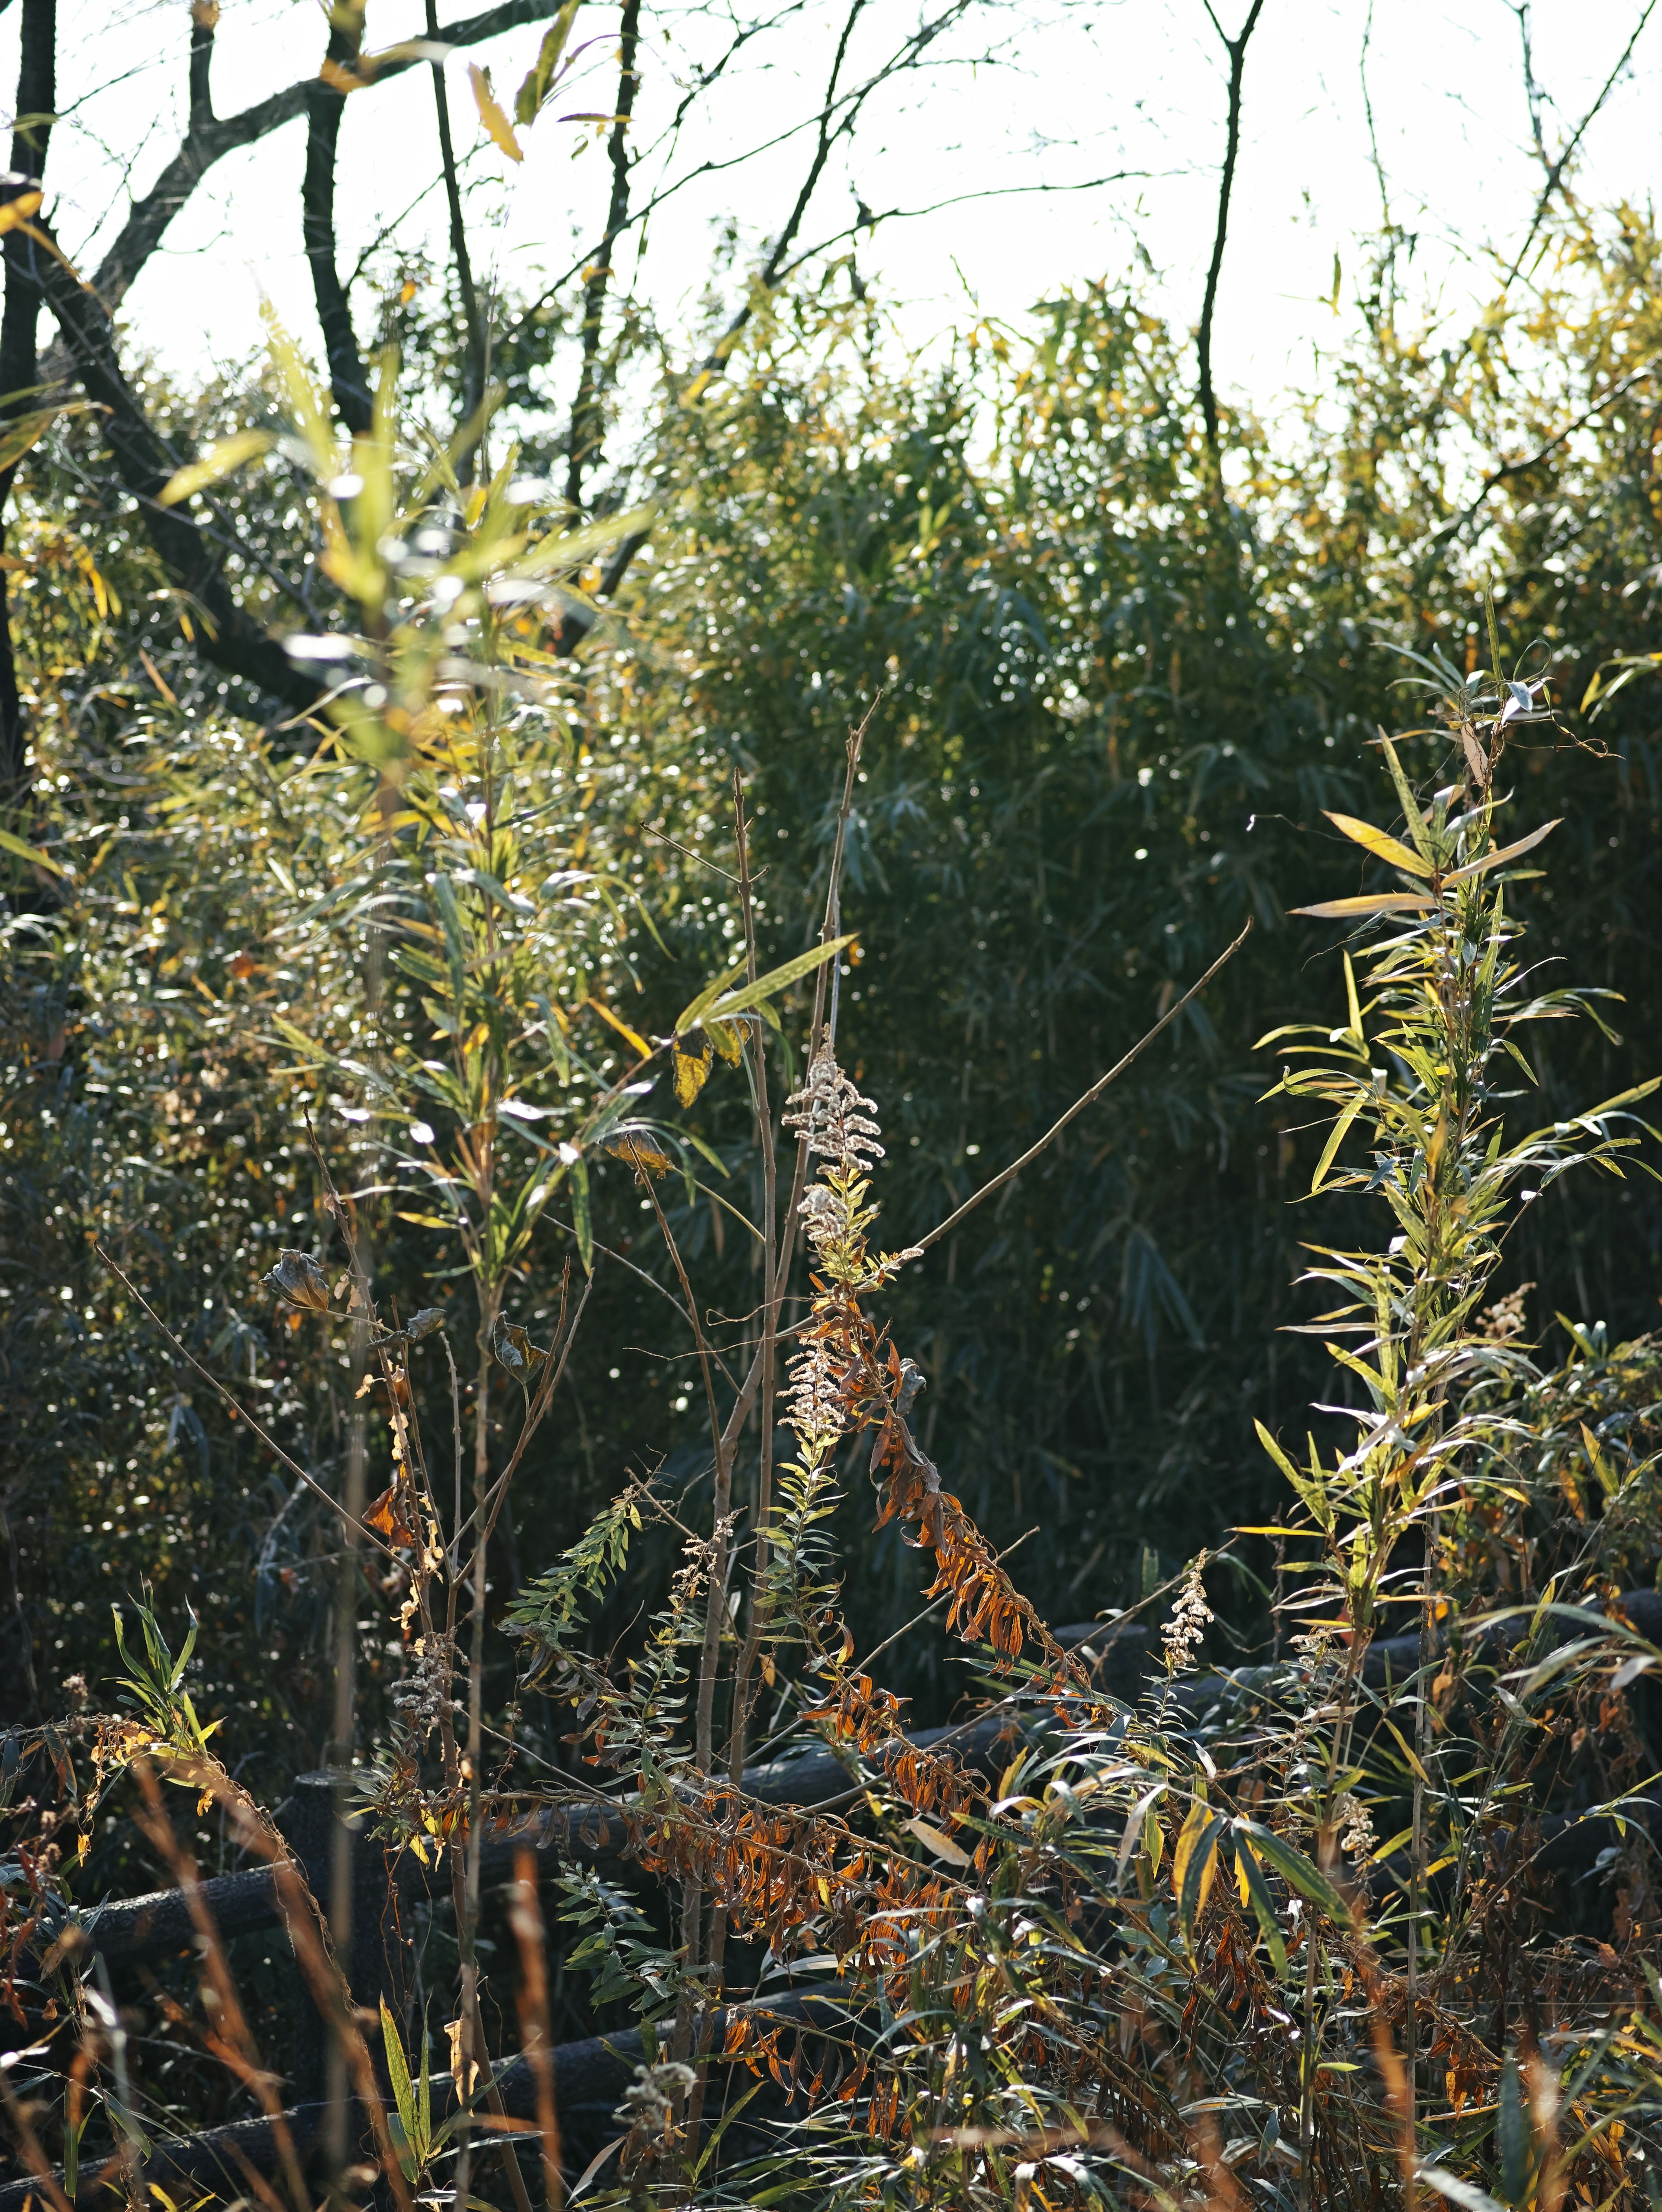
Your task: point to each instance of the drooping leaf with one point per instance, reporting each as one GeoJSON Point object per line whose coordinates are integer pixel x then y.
{"type": "Point", "coordinates": [942, 1846]}
{"type": "Point", "coordinates": [497, 126]}
{"type": "Point", "coordinates": [19, 436]}
{"type": "Point", "coordinates": [1194, 1865]}
{"type": "Point", "coordinates": [692, 1070]}
{"type": "Point", "coordinates": [1254, 1891]}
{"type": "Point", "coordinates": [1301, 1872]}
{"type": "Point", "coordinates": [631, 1036]}
{"type": "Point", "coordinates": [30, 852]}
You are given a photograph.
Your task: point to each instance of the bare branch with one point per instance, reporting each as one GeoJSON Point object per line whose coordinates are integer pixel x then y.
{"type": "Point", "coordinates": [1236, 50]}
{"type": "Point", "coordinates": [144, 229]}
{"type": "Point", "coordinates": [144, 462]}
{"type": "Point", "coordinates": [1555, 171]}
{"type": "Point", "coordinates": [583, 449]}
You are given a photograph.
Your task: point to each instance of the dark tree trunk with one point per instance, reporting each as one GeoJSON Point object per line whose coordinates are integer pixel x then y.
{"type": "Point", "coordinates": [37, 101]}
{"type": "Point", "coordinates": [323, 106]}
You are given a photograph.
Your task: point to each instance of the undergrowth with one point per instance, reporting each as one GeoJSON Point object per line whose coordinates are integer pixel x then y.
{"type": "Point", "coordinates": [1370, 1920]}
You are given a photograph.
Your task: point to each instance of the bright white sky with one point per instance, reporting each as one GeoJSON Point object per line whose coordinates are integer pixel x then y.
{"type": "Point", "coordinates": [1076, 89]}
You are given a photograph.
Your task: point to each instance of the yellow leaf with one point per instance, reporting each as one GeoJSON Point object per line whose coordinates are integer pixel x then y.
{"type": "Point", "coordinates": [215, 464]}
{"type": "Point", "coordinates": [15, 213]}
{"type": "Point", "coordinates": [1506, 852]}
{"type": "Point", "coordinates": [19, 435]}
{"type": "Point", "coordinates": [1188, 1837]}
{"type": "Point", "coordinates": [691, 1072]}
{"type": "Point", "coordinates": [1347, 909]}
{"type": "Point", "coordinates": [631, 1036]}
{"type": "Point", "coordinates": [943, 1846]}
{"type": "Point", "coordinates": [725, 1039]}
{"type": "Point", "coordinates": [495, 123]}
{"type": "Point", "coordinates": [30, 852]}
{"type": "Point", "coordinates": [1376, 842]}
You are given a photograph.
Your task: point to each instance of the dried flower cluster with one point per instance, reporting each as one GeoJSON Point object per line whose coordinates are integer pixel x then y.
{"type": "Point", "coordinates": [421, 1697]}
{"type": "Point", "coordinates": [1184, 1632]}
{"type": "Point", "coordinates": [837, 1121]}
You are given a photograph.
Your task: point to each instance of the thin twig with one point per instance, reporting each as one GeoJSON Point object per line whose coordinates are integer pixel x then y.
{"type": "Point", "coordinates": [1236, 50]}
{"type": "Point", "coordinates": [1081, 1103]}
{"type": "Point", "coordinates": [241, 1412]}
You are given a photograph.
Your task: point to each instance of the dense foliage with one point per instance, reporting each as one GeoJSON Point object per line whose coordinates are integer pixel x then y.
{"type": "Point", "coordinates": [465, 922]}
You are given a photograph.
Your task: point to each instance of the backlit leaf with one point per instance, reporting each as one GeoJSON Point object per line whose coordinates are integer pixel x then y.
{"type": "Point", "coordinates": [1382, 846]}
{"type": "Point", "coordinates": [724, 1002]}
{"type": "Point", "coordinates": [1336, 1135]}
{"type": "Point", "coordinates": [1348, 909]}
{"type": "Point", "coordinates": [630, 1036]}
{"type": "Point", "coordinates": [942, 1846]}
{"type": "Point", "coordinates": [30, 852]}
{"type": "Point", "coordinates": [1474, 868]}
{"type": "Point", "coordinates": [691, 1072]}
{"type": "Point", "coordinates": [496, 125]}
{"type": "Point", "coordinates": [540, 80]}
{"type": "Point", "coordinates": [218, 463]}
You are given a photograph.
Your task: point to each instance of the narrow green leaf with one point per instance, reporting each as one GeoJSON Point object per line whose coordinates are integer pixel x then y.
{"type": "Point", "coordinates": [30, 852]}
{"type": "Point", "coordinates": [398, 2072]}
{"type": "Point", "coordinates": [1474, 868]}
{"type": "Point", "coordinates": [582, 1220]}
{"type": "Point", "coordinates": [1263, 1905]}
{"type": "Point", "coordinates": [1198, 1870]}
{"type": "Point", "coordinates": [1336, 1135]}
{"type": "Point", "coordinates": [540, 81]}
{"type": "Point", "coordinates": [1417, 826]}
{"type": "Point", "coordinates": [1296, 1869]}
{"type": "Point", "coordinates": [716, 999]}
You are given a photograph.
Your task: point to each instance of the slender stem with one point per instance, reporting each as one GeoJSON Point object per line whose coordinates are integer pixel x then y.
{"type": "Point", "coordinates": [943, 1228]}
{"type": "Point", "coordinates": [741, 1694]}
{"type": "Point", "coordinates": [1236, 49]}
{"type": "Point", "coordinates": [473, 382]}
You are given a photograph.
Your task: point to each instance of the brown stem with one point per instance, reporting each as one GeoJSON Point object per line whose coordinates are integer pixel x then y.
{"type": "Point", "coordinates": [230, 2022]}
{"type": "Point", "coordinates": [340, 1869]}
{"type": "Point", "coordinates": [1236, 49]}
{"type": "Point", "coordinates": [723, 1441]}
{"type": "Point", "coordinates": [526, 1915]}
{"type": "Point", "coordinates": [769, 1314]}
